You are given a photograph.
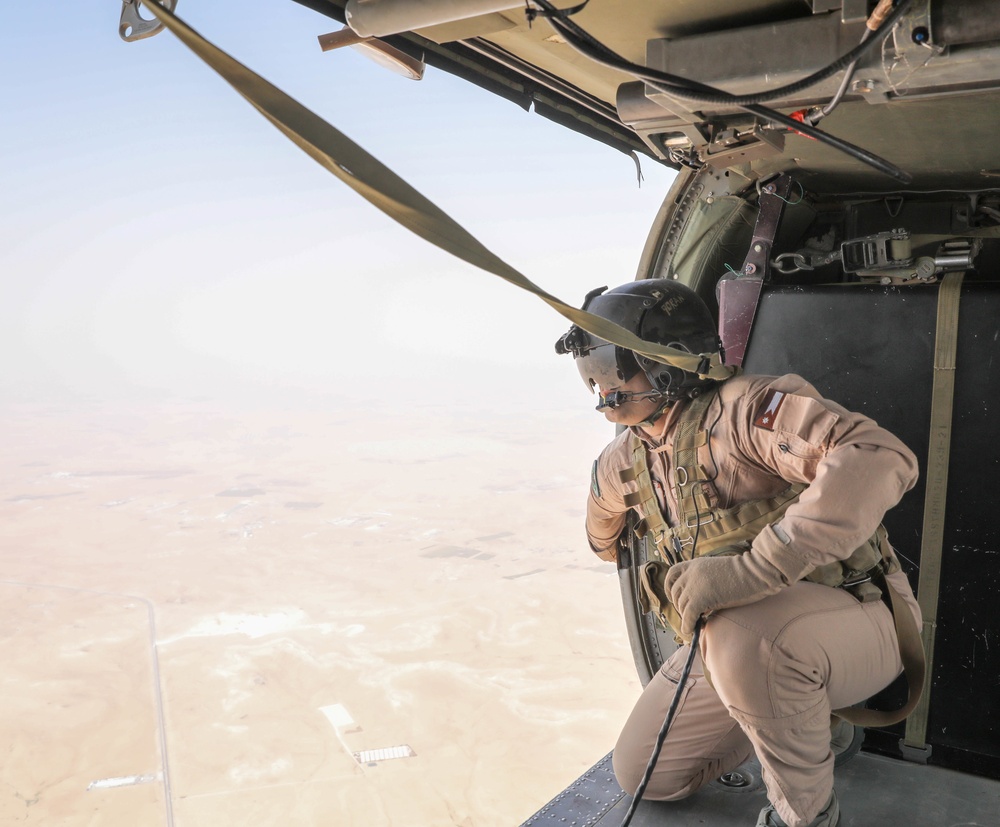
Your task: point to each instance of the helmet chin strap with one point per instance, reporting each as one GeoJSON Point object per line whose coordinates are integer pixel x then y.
{"type": "Point", "coordinates": [667, 404]}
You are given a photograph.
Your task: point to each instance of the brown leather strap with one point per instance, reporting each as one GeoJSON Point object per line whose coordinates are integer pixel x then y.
{"type": "Point", "coordinates": [739, 296]}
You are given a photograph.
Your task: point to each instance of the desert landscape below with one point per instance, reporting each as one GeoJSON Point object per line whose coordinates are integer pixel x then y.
{"type": "Point", "coordinates": [301, 617]}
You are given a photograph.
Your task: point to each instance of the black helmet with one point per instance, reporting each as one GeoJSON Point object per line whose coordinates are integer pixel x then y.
{"type": "Point", "coordinates": [661, 311]}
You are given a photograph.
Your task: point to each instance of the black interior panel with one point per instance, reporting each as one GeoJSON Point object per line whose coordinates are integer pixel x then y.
{"type": "Point", "coordinates": [871, 349]}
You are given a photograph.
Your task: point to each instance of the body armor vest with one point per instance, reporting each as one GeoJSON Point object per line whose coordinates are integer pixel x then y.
{"type": "Point", "coordinates": [702, 529]}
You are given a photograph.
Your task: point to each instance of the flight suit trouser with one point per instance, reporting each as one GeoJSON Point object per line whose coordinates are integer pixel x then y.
{"type": "Point", "coordinates": [777, 669]}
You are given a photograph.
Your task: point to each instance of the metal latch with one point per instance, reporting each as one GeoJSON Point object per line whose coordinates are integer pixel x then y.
{"type": "Point", "coordinates": [886, 256]}
{"type": "Point", "coordinates": [133, 26]}
{"type": "Point", "coordinates": [916, 754]}
{"type": "Point", "coordinates": [736, 146]}
{"type": "Point", "coordinates": [877, 252]}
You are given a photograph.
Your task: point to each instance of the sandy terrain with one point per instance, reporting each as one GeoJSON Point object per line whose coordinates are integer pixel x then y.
{"type": "Point", "coordinates": [300, 618]}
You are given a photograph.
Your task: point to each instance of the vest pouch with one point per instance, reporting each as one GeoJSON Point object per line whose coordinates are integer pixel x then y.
{"type": "Point", "coordinates": [730, 550]}
{"type": "Point", "coordinates": [862, 560]}
{"type": "Point", "coordinates": [653, 599]}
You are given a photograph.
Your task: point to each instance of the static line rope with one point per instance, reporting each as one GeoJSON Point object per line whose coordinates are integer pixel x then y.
{"type": "Point", "coordinates": [379, 185]}
{"type": "Point", "coordinates": [935, 497]}
{"type": "Point", "coordinates": [661, 736]}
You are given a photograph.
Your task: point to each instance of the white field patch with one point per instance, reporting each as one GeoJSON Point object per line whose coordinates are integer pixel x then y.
{"type": "Point", "coordinates": [123, 781]}
{"type": "Point", "coordinates": [253, 625]}
{"type": "Point", "coordinates": [339, 717]}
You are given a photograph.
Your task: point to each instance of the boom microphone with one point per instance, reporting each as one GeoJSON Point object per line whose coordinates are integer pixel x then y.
{"type": "Point", "coordinates": [616, 399]}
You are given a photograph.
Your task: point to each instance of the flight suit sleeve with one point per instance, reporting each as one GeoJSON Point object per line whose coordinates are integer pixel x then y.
{"type": "Point", "coordinates": [855, 470]}
{"type": "Point", "coordinates": [606, 507]}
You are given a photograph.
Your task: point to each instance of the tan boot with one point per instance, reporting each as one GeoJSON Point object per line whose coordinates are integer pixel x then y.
{"type": "Point", "coordinates": [845, 740]}
{"type": "Point", "coordinates": [829, 816]}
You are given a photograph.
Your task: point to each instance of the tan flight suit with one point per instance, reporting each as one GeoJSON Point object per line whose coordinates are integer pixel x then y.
{"type": "Point", "coordinates": [778, 666]}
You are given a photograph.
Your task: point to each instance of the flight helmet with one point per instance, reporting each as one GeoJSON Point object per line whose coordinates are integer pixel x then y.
{"type": "Point", "coordinates": [661, 311]}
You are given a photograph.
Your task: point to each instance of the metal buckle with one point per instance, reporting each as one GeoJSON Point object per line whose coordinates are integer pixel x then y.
{"type": "Point", "coordinates": [699, 521]}
{"type": "Point", "coordinates": [864, 577]}
{"type": "Point", "coordinates": [133, 26]}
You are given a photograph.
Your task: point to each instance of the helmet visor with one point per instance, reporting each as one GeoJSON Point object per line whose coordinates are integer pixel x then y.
{"type": "Point", "coordinates": [605, 365]}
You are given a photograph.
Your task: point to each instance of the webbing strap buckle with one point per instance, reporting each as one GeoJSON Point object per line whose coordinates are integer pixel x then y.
{"type": "Point", "coordinates": [858, 579]}
{"type": "Point", "coordinates": [697, 520]}
{"type": "Point", "coordinates": [133, 26]}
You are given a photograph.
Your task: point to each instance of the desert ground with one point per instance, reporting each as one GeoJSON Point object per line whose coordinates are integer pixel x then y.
{"type": "Point", "coordinates": [296, 617]}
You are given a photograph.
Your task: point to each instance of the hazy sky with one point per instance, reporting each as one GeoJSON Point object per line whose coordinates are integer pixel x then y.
{"type": "Point", "coordinates": [159, 237]}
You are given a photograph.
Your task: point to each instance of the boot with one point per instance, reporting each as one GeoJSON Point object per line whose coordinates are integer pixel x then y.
{"type": "Point", "coordinates": [845, 740]}
{"type": "Point", "coordinates": [829, 816]}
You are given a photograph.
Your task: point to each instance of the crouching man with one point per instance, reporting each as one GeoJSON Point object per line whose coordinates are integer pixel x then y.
{"type": "Point", "coordinates": [761, 503]}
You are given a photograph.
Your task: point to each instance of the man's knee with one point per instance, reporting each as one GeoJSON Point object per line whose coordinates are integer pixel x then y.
{"type": "Point", "coordinates": [732, 651]}
{"type": "Point", "coordinates": [757, 678]}
{"type": "Point", "coordinates": [663, 785]}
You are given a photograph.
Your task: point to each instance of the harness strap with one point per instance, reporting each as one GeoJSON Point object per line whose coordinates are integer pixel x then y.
{"type": "Point", "coordinates": [911, 653]}
{"type": "Point", "coordinates": [714, 526]}
{"type": "Point", "coordinates": [935, 496]}
{"type": "Point", "coordinates": [652, 521]}
{"type": "Point", "coordinates": [693, 505]}
{"type": "Point", "coordinates": [375, 182]}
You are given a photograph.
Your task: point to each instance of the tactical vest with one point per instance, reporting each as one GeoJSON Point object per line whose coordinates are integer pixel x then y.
{"type": "Point", "coordinates": [704, 530]}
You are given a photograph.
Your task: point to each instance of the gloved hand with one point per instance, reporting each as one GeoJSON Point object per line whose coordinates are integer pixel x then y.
{"type": "Point", "coordinates": [706, 584]}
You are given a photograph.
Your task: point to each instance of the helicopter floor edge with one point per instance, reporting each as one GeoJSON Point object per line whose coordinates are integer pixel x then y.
{"type": "Point", "coordinates": [872, 789]}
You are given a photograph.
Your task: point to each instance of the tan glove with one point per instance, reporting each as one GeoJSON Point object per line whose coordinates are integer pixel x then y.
{"type": "Point", "coordinates": [706, 584]}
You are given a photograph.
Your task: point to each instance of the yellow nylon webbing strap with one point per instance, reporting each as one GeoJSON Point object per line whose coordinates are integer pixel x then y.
{"type": "Point", "coordinates": [978, 232]}
{"type": "Point", "coordinates": [692, 504]}
{"type": "Point", "coordinates": [379, 185]}
{"type": "Point", "coordinates": [938, 451]}
{"type": "Point", "coordinates": [652, 520]}
{"type": "Point", "coordinates": [748, 519]}
{"type": "Point", "coordinates": [699, 440]}
{"type": "Point", "coordinates": [633, 499]}
{"type": "Point", "coordinates": [912, 656]}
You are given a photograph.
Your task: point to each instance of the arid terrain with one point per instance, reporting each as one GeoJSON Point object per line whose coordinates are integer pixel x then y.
{"type": "Point", "coordinates": [291, 617]}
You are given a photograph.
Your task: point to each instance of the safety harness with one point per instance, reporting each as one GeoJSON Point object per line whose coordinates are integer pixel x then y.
{"type": "Point", "coordinates": [703, 529]}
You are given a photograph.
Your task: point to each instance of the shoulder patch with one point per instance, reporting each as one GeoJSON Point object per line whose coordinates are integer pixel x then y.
{"type": "Point", "coordinates": [768, 410]}
{"type": "Point", "coordinates": [595, 487]}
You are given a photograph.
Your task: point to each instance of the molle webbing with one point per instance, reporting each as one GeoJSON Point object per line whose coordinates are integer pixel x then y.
{"type": "Point", "coordinates": [714, 527]}
{"type": "Point", "coordinates": [862, 573]}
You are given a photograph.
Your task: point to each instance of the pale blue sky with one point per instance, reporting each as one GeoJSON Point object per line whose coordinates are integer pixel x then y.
{"type": "Point", "coordinates": [158, 236]}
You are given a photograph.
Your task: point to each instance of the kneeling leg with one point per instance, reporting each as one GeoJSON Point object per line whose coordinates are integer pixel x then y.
{"type": "Point", "coordinates": [704, 742]}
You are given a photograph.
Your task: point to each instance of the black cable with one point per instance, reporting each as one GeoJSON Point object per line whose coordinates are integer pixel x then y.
{"type": "Point", "coordinates": [602, 54]}
{"type": "Point", "coordinates": [661, 736]}
{"type": "Point", "coordinates": [685, 672]}
{"type": "Point", "coordinates": [853, 150]}
{"type": "Point", "coordinates": [708, 442]}
{"type": "Point", "coordinates": [842, 89]}
{"type": "Point", "coordinates": [696, 92]}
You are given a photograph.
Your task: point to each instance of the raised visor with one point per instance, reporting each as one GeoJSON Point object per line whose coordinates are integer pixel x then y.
{"type": "Point", "coordinates": [872, 790]}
